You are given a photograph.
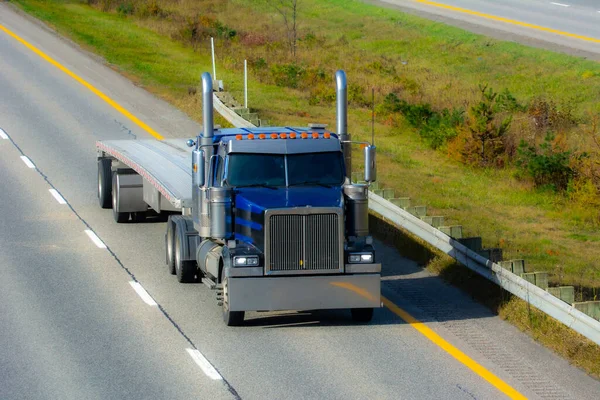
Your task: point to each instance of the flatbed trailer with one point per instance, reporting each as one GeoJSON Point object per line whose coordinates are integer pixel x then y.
{"type": "Point", "coordinates": [267, 217]}
{"type": "Point", "coordinates": [164, 166]}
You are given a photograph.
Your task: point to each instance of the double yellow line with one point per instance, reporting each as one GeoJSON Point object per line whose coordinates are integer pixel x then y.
{"type": "Point", "coordinates": [419, 326]}
{"type": "Point", "coordinates": [508, 21]}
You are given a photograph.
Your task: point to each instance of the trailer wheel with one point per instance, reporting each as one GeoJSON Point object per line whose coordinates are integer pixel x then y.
{"type": "Point", "coordinates": [231, 318]}
{"type": "Point", "coordinates": [104, 183]}
{"type": "Point", "coordinates": [185, 270]}
{"type": "Point", "coordinates": [119, 217]}
{"type": "Point", "coordinates": [170, 246]}
{"type": "Point", "coordinates": [362, 314]}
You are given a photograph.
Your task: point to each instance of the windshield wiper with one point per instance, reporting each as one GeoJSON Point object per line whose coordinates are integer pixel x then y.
{"type": "Point", "coordinates": [258, 185]}
{"type": "Point", "coordinates": [311, 183]}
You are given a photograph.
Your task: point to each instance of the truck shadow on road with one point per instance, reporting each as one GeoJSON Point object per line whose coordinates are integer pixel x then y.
{"type": "Point", "coordinates": [426, 298]}
{"type": "Point", "coordinates": [406, 284]}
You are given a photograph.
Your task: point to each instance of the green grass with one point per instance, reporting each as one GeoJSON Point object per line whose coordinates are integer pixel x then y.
{"type": "Point", "coordinates": [444, 66]}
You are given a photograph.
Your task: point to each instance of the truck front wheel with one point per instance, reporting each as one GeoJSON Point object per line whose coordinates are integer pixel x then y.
{"type": "Point", "coordinates": [231, 318]}
{"type": "Point", "coordinates": [362, 314]}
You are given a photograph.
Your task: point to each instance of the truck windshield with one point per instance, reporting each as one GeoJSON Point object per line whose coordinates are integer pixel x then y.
{"type": "Point", "coordinates": [270, 169]}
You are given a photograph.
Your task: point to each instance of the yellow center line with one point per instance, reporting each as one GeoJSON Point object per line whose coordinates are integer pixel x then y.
{"type": "Point", "coordinates": [453, 351]}
{"type": "Point", "coordinates": [508, 21]}
{"type": "Point", "coordinates": [419, 326]}
{"type": "Point", "coordinates": [82, 81]}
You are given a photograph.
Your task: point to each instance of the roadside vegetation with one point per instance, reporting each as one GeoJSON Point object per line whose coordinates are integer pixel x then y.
{"type": "Point", "coordinates": [501, 138]}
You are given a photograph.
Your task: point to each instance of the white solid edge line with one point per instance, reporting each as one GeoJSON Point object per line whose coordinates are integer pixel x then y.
{"type": "Point", "coordinates": [204, 364]}
{"type": "Point", "coordinates": [560, 4]}
{"type": "Point", "coordinates": [57, 196]}
{"type": "Point", "coordinates": [139, 289]}
{"type": "Point", "coordinates": [95, 239]}
{"type": "Point", "coordinates": [3, 134]}
{"type": "Point", "coordinates": [27, 161]}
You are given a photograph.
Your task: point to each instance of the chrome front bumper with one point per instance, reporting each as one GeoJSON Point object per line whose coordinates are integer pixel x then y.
{"type": "Point", "coordinates": [271, 293]}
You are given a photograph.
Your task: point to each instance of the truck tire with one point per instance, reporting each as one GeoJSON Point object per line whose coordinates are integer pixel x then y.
{"type": "Point", "coordinates": [184, 269]}
{"type": "Point", "coordinates": [119, 217]}
{"type": "Point", "coordinates": [170, 246]}
{"type": "Point", "coordinates": [363, 315]}
{"type": "Point", "coordinates": [104, 183]}
{"type": "Point", "coordinates": [231, 318]}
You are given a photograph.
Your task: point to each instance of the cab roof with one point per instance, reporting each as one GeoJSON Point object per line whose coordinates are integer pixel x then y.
{"type": "Point", "coordinates": [223, 135]}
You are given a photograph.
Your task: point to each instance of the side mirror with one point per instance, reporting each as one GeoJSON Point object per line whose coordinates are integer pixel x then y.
{"type": "Point", "coordinates": [370, 165]}
{"type": "Point", "coordinates": [198, 167]}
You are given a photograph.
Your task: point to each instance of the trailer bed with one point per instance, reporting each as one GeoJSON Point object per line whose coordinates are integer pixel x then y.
{"type": "Point", "coordinates": [165, 164]}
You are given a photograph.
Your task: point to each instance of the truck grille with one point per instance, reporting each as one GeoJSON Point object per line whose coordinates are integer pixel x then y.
{"type": "Point", "coordinates": [298, 243]}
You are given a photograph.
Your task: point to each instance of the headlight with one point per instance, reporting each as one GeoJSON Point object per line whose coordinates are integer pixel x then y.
{"type": "Point", "coordinates": [365, 258]}
{"type": "Point", "coordinates": [245, 261]}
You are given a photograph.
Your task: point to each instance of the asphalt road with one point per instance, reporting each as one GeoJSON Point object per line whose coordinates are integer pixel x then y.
{"type": "Point", "coordinates": [71, 325]}
{"type": "Point", "coordinates": [578, 21]}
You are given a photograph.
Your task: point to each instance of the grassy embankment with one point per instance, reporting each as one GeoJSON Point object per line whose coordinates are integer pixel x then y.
{"type": "Point", "coordinates": [163, 49]}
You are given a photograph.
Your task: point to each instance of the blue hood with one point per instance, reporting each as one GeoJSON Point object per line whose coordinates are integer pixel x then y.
{"type": "Point", "coordinates": [251, 203]}
{"type": "Point", "coordinates": [258, 199]}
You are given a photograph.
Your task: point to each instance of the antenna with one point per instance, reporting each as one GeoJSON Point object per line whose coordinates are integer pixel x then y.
{"type": "Point", "coordinates": [373, 117]}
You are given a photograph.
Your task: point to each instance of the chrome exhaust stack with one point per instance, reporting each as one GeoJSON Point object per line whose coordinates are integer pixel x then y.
{"type": "Point", "coordinates": [207, 106]}
{"type": "Point", "coordinates": [342, 119]}
{"type": "Point", "coordinates": [206, 139]}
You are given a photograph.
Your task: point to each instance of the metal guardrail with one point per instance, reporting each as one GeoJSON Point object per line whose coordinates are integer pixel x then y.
{"type": "Point", "coordinates": [537, 297]}
{"type": "Point", "coordinates": [230, 115]}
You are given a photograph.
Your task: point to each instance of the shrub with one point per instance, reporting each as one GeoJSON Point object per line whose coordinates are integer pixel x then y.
{"type": "Point", "coordinates": [486, 133]}
{"type": "Point", "coordinates": [287, 75]}
{"type": "Point", "coordinates": [547, 115]}
{"type": "Point", "coordinates": [223, 31]}
{"type": "Point", "coordinates": [258, 63]}
{"type": "Point", "coordinates": [442, 127]}
{"type": "Point", "coordinates": [150, 8]}
{"type": "Point", "coordinates": [506, 102]}
{"type": "Point", "coordinates": [321, 94]}
{"type": "Point", "coordinates": [356, 96]}
{"type": "Point", "coordinates": [547, 165]}
{"type": "Point", "coordinates": [125, 8]}
{"type": "Point", "coordinates": [435, 127]}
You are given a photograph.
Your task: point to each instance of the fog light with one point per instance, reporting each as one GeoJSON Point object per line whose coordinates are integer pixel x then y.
{"type": "Point", "coordinates": [354, 258]}
{"type": "Point", "coordinates": [243, 261]}
{"type": "Point", "coordinates": [364, 258]}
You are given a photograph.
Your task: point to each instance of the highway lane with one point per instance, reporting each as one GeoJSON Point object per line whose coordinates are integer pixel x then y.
{"type": "Point", "coordinates": [71, 326]}
{"type": "Point", "coordinates": [572, 26]}
{"type": "Point", "coordinates": [291, 355]}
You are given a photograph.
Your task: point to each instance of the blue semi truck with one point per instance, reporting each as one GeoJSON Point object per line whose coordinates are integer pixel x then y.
{"type": "Point", "coordinates": [267, 217]}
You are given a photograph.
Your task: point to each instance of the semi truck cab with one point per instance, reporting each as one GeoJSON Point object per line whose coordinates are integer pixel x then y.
{"type": "Point", "coordinates": [268, 217]}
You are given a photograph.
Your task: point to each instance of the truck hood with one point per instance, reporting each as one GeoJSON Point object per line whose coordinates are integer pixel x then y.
{"type": "Point", "coordinates": [258, 199]}
{"type": "Point", "coordinates": [251, 203]}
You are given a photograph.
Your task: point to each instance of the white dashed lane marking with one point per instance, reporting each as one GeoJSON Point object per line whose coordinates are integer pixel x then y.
{"type": "Point", "coordinates": [3, 134]}
{"type": "Point", "coordinates": [27, 162]}
{"type": "Point", "coordinates": [561, 4]}
{"type": "Point", "coordinates": [139, 289]}
{"type": "Point", "coordinates": [204, 364]}
{"type": "Point", "coordinates": [95, 239]}
{"type": "Point", "coordinates": [57, 196]}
